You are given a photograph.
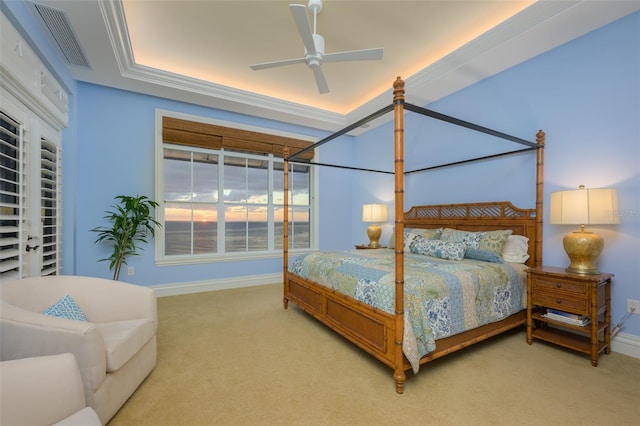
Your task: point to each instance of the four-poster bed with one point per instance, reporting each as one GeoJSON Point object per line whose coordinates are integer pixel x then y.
{"type": "Point", "coordinates": [384, 332]}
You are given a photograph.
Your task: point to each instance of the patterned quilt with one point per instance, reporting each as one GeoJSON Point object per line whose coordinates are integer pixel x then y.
{"type": "Point", "coordinates": [442, 297]}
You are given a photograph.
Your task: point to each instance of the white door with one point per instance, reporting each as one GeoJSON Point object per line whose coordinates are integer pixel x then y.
{"type": "Point", "coordinates": [30, 194]}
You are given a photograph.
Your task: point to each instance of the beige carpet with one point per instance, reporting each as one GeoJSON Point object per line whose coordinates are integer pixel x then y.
{"type": "Point", "coordinates": [236, 357]}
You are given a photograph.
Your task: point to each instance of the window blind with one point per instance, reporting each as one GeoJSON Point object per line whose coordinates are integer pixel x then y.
{"type": "Point", "coordinates": [204, 135]}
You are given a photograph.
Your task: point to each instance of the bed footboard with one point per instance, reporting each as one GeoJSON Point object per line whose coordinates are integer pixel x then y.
{"type": "Point", "coordinates": [373, 330]}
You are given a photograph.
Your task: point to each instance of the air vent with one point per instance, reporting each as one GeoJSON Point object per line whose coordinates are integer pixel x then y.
{"type": "Point", "coordinates": [59, 28]}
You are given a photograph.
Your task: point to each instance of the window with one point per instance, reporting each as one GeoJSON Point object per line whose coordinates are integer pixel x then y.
{"type": "Point", "coordinates": [221, 194]}
{"type": "Point", "coordinates": [189, 202]}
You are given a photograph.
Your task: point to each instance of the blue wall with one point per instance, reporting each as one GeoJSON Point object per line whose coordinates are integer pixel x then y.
{"type": "Point", "coordinates": [586, 96]}
{"type": "Point", "coordinates": [116, 152]}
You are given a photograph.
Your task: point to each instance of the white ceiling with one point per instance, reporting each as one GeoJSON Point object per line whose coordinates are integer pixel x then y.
{"type": "Point", "coordinates": [200, 51]}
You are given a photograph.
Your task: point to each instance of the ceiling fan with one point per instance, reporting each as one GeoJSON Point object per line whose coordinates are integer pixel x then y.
{"type": "Point", "coordinates": [314, 54]}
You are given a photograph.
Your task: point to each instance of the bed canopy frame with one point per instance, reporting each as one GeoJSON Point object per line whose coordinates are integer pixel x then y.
{"type": "Point", "coordinates": [376, 331]}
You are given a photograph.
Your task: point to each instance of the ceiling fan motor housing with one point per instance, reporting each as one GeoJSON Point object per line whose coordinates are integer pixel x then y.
{"type": "Point", "coordinates": [315, 60]}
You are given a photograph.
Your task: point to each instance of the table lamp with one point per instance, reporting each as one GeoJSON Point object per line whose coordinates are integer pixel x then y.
{"type": "Point", "coordinates": [584, 207]}
{"type": "Point", "coordinates": [374, 213]}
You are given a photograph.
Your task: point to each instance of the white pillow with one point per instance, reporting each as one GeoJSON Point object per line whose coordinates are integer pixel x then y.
{"type": "Point", "coordinates": [515, 249]}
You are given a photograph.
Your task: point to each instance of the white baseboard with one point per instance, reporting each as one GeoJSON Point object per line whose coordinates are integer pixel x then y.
{"type": "Point", "coordinates": [175, 289]}
{"type": "Point", "coordinates": [626, 344]}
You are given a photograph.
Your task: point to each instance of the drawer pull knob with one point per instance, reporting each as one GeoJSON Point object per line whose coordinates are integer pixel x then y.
{"type": "Point", "coordinates": [559, 301]}
{"type": "Point", "coordinates": [558, 285]}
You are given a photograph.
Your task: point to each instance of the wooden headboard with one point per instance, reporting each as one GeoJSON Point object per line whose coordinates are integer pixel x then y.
{"type": "Point", "coordinates": [488, 216]}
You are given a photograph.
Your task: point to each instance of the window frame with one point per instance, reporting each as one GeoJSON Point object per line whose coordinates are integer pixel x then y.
{"type": "Point", "coordinates": [160, 257]}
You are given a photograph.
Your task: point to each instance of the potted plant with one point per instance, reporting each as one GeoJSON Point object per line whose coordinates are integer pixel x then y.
{"type": "Point", "coordinates": [131, 221]}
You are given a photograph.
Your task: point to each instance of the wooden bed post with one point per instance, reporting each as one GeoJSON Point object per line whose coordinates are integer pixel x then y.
{"type": "Point", "coordinates": [398, 111]}
{"type": "Point", "coordinates": [285, 229]}
{"type": "Point", "coordinates": [540, 139]}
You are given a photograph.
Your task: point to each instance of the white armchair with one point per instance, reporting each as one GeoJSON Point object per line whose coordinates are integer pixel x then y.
{"type": "Point", "coordinates": [44, 391]}
{"type": "Point", "coordinates": [115, 349]}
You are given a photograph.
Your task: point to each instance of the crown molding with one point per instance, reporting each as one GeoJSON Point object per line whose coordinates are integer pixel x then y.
{"type": "Point", "coordinates": [537, 29]}
{"type": "Point", "coordinates": [204, 92]}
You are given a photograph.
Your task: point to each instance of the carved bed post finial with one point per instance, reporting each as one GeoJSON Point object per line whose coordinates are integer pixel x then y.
{"type": "Point", "coordinates": [398, 89]}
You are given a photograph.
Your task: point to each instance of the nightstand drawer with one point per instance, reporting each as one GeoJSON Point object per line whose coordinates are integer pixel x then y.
{"type": "Point", "coordinates": [577, 305]}
{"type": "Point", "coordinates": [542, 284]}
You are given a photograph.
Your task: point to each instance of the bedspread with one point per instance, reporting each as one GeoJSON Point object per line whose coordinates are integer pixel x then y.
{"type": "Point", "coordinates": [442, 297]}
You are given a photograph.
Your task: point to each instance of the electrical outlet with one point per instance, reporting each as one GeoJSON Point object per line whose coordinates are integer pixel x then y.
{"type": "Point", "coordinates": [131, 270]}
{"type": "Point", "coordinates": [633, 306]}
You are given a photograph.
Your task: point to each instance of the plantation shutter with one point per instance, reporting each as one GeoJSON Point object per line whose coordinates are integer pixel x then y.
{"type": "Point", "coordinates": [11, 198]}
{"type": "Point", "coordinates": [50, 206]}
{"type": "Point", "coordinates": [211, 136]}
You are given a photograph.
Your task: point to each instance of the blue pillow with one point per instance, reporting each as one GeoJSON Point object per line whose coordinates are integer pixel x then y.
{"type": "Point", "coordinates": [66, 308]}
{"type": "Point", "coordinates": [437, 248]}
{"type": "Point", "coordinates": [485, 255]}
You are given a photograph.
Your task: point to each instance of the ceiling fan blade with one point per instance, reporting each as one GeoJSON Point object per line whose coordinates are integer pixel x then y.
{"type": "Point", "coordinates": [299, 13]}
{"type": "Point", "coordinates": [274, 64]}
{"type": "Point", "coordinates": [355, 55]}
{"type": "Point", "coordinates": [320, 80]}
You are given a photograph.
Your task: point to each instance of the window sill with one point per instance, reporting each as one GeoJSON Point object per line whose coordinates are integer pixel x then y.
{"type": "Point", "coordinates": [228, 257]}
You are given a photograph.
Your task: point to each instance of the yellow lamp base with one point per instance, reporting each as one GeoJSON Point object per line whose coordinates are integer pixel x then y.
{"type": "Point", "coordinates": [374, 232]}
{"type": "Point", "coordinates": [583, 249]}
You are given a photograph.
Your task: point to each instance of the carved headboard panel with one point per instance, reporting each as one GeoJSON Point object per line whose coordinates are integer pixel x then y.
{"type": "Point", "coordinates": [488, 216]}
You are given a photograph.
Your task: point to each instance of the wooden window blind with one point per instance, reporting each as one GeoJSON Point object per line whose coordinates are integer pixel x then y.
{"type": "Point", "coordinates": [211, 136]}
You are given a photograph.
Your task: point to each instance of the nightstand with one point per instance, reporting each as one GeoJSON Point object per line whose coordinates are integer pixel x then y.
{"type": "Point", "coordinates": [590, 295]}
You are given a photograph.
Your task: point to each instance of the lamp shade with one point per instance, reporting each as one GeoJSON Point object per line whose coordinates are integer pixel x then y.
{"type": "Point", "coordinates": [374, 213]}
{"type": "Point", "coordinates": [584, 207]}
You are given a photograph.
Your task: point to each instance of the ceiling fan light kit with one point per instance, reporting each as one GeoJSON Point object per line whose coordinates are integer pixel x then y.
{"type": "Point", "coordinates": [314, 54]}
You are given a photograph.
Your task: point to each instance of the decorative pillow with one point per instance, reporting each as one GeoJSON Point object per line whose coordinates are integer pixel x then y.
{"type": "Point", "coordinates": [487, 256]}
{"type": "Point", "coordinates": [437, 248]}
{"type": "Point", "coordinates": [494, 241]}
{"type": "Point", "coordinates": [66, 308]}
{"type": "Point", "coordinates": [411, 233]}
{"type": "Point", "coordinates": [516, 249]}
{"type": "Point", "coordinates": [455, 235]}
{"type": "Point", "coordinates": [491, 242]}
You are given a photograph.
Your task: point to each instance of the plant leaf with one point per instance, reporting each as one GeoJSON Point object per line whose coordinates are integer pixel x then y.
{"type": "Point", "coordinates": [131, 221]}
